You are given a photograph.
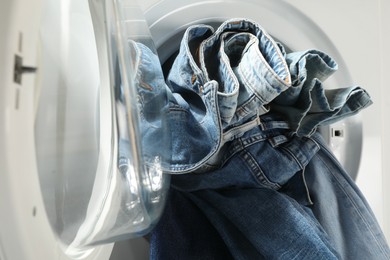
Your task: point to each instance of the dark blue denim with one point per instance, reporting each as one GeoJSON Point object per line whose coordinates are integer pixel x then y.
{"type": "Point", "coordinates": [184, 232]}
{"type": "Point", "coordinates": [256, 201]}
{"type": "Point", "coordinates": [341, 208]}
{"type": "Point", "coordinates": [265, 201]}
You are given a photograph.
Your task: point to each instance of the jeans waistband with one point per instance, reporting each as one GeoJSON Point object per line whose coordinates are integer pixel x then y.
{"type": "Point", "coordinates": [248, 65]}
{"type": "Point", "coordinates": [269, 158]}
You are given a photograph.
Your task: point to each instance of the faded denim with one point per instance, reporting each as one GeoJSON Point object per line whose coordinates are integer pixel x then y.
{"type": "Point", "coordinates": [154, 99]}
{"type": "Point", "coordinates": [184, 125]}
{"type": "Point", "coordinates": [249, 67]}
{"type": "Point", "coordinates": [306, 103]}
{"type": "Point", "coordinates": [194, 117]}
{"type": "Point", "coordinates": [261, 74]}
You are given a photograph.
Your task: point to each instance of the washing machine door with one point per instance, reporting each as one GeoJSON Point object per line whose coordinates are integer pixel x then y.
{"type": "Point", "coordinates": [83, 136]}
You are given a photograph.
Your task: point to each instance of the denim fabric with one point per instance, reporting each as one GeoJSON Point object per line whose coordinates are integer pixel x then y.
{"type": "Point", "coordinates": [271, 142]}
{"type": "Point", "coordinates": [241, 115]}
{"type": "Point", "coordinates": [184, 232]}
{"type": "Point", "coordinates": [260, 199]}
{"type": "Point", "coordinates": [306, 103]}
{"type": "Point", "coordinates": [249, 67]}
{"type": "Point", "coordinates": [248, 201]}
{"type": "Point", "coordinates": [250, 71]}
{"type": "Point", "coordinates": [183, 124]}
{"type": "Point", "coordinates": [241, 95]}
{"type": "Point", "coordinates": [194, 121]}
{"type": "Point", "coordinates": [257, 83]}
{"type": "Point", "coordinates": [342, 210]}
{"type": "Point", "coordinates": [153, 101]}
{"type": "Point", "coordinates": [276, 227]}
{"type": "Point", "coordinates": [267, 48]}
{"type": "Point", "coordinates": [185, 74]}
{"type": "Point", "coordinates": [218, 86]}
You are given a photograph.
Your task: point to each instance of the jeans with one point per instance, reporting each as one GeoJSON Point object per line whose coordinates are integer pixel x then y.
{"type": "Point", "coordinates": [249, 67]}
{"type": "Point", "coordinates": [250, 212]}
{"type": "Point", "coordinates": [240, 96]}
{"type": "Point", "coordinates": [219, 85]}
{"type": "Point", "coordinates": [306, 103]}
{"type": "Point", "coordinates": [223, 81]}
{"type": "Point", "coordinates": [242, 116]}
{"type": "Point", "coordinates": [184, 232]}
{"type": "Point", "coordinates": [193, 117]}
{"type": "Point", "coordinates": [341, 208]}
{"type": "Point", "coordinates": [174, 120]}
{"type": "Point", "coordinates": [154, 100]}
{"type": "Point", "coordinates": [255, 201]}
{"type": "Point", "coordinates": [267, 180]}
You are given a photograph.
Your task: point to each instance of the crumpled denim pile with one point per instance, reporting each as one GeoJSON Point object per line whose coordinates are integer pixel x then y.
{"type": "Point", "coordinates": [252, 178]}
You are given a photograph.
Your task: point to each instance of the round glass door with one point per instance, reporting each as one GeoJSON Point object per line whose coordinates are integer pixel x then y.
{"type": "Point", "coordinates": [96, 124]}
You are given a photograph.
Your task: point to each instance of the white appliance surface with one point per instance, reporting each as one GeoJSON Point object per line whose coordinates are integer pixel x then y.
{"type": "Point", "coordinates": [355, 32]}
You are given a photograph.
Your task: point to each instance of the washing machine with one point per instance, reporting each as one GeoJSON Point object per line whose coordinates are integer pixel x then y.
{"type": "Point", "coordinates": [62, 121]}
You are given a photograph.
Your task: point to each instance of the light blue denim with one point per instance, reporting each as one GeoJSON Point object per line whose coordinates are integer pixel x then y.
{"type": "Point", "coordinates": [184, 125]}
{"type": "Point", "coordinates": [307, 104]}
{"type": "Point", "coordinates": [261, 74]}
{"type": "Point", "coordinates": [152, 107]}
{"type": "Point", "coordinates": [249, 67]}
{"type": "Point", "coordinates": [194, 117]}
{"type": "Point", "coordinates": [219, 85]}
{"type": "Point", "coordinates": [254, 75]}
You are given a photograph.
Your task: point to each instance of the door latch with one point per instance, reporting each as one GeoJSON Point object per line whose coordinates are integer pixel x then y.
{"type": "Point", "coordinates": [20, 69]}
